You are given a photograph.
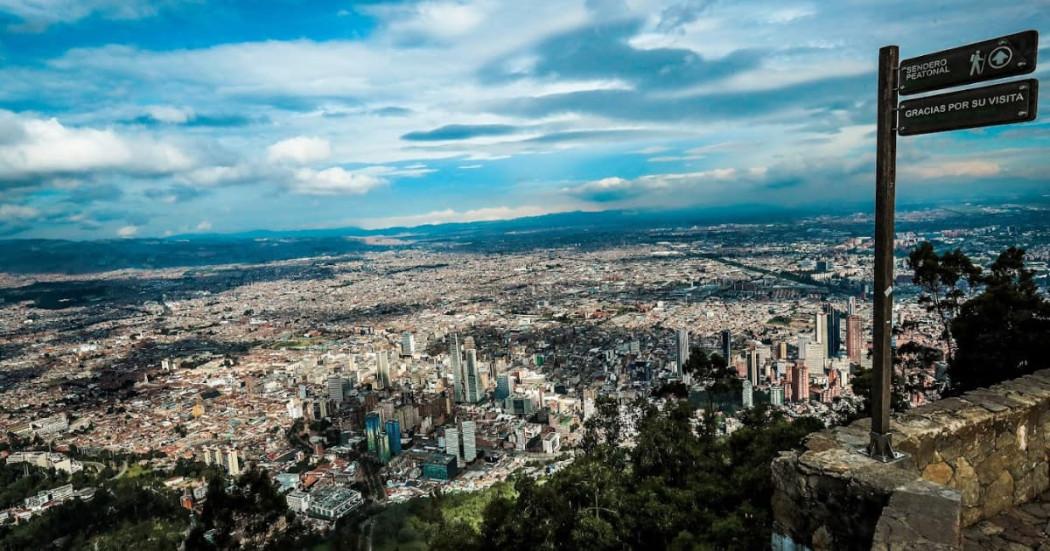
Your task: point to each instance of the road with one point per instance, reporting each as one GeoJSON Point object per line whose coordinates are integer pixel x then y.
{"type": "Point", "coordinates": [99, 466]}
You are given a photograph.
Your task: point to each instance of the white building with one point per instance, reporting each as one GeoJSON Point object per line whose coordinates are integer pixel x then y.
{"type": "Point", "coordinates": [383, 369]}
{"type": "Point", "coordinates": [682, 343]}
{"type": "Point", "coordinates": [470, 452]}
{"type": "Point", "coordinates": [233, 462]}
{"type": "Point", "coordinates": [333, 502]}
{"type": "Point", "coordinates": [335, 388]}
{"type": "Point", "coordinates": [551, 442]}
{"type": "Point", "coordinates": [452, 445]}
{"type": "Point", "coordinates": [408, 344]}
{"type": "Point", "coordinates": [297, 501]}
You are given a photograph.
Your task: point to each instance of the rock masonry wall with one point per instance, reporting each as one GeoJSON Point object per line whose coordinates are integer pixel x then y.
{"type": "Point", "coordinates": [968, 458]}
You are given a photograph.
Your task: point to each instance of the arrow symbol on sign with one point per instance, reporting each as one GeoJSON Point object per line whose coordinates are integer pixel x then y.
{"type": "Point", "coordinates": [1000, 58]}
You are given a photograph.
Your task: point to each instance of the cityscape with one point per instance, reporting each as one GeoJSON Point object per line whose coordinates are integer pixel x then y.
{"type": "Point", "coordinates": [223, 331]}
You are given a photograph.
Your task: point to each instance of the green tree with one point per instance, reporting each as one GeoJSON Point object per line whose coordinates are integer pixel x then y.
{"type": "Point", "coordinates": [939, 277]}
{"type": "Point", "coordinates": [1002, 332]}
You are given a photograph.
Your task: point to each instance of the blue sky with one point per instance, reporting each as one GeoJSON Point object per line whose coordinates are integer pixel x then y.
{"type": "Point", "coordinates": [123, 118]}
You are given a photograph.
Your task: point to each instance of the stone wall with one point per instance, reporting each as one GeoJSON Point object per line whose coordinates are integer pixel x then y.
{"type": "Point", "coordinates": [968, 458]}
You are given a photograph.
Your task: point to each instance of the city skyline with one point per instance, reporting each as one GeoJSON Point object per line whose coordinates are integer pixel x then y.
{"type": "Point", "coordinates": [199, 117]}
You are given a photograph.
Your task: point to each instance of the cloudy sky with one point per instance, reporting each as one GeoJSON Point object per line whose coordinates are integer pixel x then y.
{"type": "Point", "coordinates": [123, 118]}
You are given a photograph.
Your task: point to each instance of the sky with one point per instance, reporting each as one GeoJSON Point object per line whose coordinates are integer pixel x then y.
{"type": "Point", "coordinates": [127, 118]}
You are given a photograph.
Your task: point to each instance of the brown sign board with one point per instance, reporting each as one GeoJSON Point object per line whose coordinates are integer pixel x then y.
{"type": "Point", "coordinates": [1004, 103]}
{"type": "Point", "coordinates": [1001, 57]}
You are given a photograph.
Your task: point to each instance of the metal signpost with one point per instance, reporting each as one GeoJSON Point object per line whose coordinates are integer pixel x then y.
{"type": "Point", "coordinates": [989, 60]}
{"type": "Point", "coordinates": [1004, 103]}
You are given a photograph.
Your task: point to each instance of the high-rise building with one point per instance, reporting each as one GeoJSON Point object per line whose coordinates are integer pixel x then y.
{"type": "Point", "coordinates": [834, 328]}
{"type": "Point", "coordinates": [682, 345]}
{"type": "Point", "coordinates": [820, 329]}
{"type": "Point", "coordinates": [393, 436]}
{"type": "Point", "coordinates": [408, 344]}
{"type": "Point", "coordinates": [383, 369]}
{"type": "Point", "coordinates": [384, 448]}
{"type": "Point", "coordinates": [452, 444]}
{"type": "Point", "coordinates": [470, 442]}
{"type": "Point", "coordinates": [335, 388]}
{"type": "Point", "coordinates": [800, 382]}
{"type": "Point", "coordinates": [776, 395]}
{"type": "Point", "coordinates": [754, 366]}
{"type": "Point", "coordinates": [815, 354]}
{"type": "Point", "coordinates": [502, 386]}
{"type": "Point", "coordinates": [456, 363]}
{"type": "Point", "coordinates": [781, 350]}
{"type": "Point", "coordinates": [372, 423]}
{"type": "Point", "coordinates": [472, 380]}
{"type": "Point", "coordinates": [233, 462]}
{"type": "Point", "coordinates": [727, 346]}
{"type": "Point", "coordinates": [854, 342]}
{"type": "Point", "coordinates": [748, 397]}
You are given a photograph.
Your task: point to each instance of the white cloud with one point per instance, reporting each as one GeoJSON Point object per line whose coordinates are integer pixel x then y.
{"type": "Point", "coordinates": [221, 174]}
{"type": "Point", "coordinates": [653, 182]}
{"type": "Point", "coordinates": [442, 19]}
{"type": "Point", "coordinates": [38, 14]}
{"type": "Point", "coordinates": [204, 226]}
{"type": "Point", "coordinates": [449, 215]}
{"type": "Point", "coordinates": [128, 231]}
{"type": "Point", "coordinates": [334, 181]}
{"type": "Point", "coordinates": [300, 149]}
{"type": "Point", "coordinates": [30, 148]}
{"type": "Point", "coordinates": [170, 113]}
{"type": "Point", "coordinates": [12, 213]}
{"type": "Point", "coordinates": [950, 169]}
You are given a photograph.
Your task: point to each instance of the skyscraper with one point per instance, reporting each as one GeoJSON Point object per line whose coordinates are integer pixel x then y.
{"type": "Point", "coordinates": [472, 381]}
{"type": "Point", "coordinates": [727, 346]}
{"type": "Point", "coordinates": [854, 342]}
{"type": "Point", "coordinates": [748, 397]}
{"type": "Point", "coordinates": [776, 395]}
{"type": "Point", "coordinates": [502, 386]}
{"type": "Point", "coordinates": [452, 444]}
{"type": "Point", "coordinates": [335, 388]}
{"type": "Point", "coordinates": [408, 344]}
{"type": "Point", "coordinates": [682, 345]}
{"type": "Point", "coordinates": [820, 328]}
{"type": "Point", "coordinates": [754, 367]}
{"type": "Point", "coordinates": [233, 462]}
{"type": "Point", "coordinates": [781, 350]}
{"type": "Point", "coordinates": [834, 328]}
{"type": "Point", "coordinates": [470, 442]}
{"type": "Point", "coordinates": [372, 436]}
{"type": "Point", "coordinates": [393, 435]}
{"type": "Point", "coordinates": [456, 363]}
{"type": "Point", "coordinates": [384, 448]}
{"type": "Point", "coordinates": [800, 382]}
{"type": "Point", "coordinates": [383, 369]}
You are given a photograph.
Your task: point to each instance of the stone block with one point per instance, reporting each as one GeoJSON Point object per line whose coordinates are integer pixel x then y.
{"type": "Point", "coordinates": [998, 496]}
{"type": "Point", "coordinates": [920, 515]}
{"type": "Point", "coordinates": [940, 473]}
{"type": "Point", "coordinates": [966, 482]}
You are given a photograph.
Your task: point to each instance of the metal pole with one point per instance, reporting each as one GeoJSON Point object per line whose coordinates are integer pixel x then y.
{"type": "Point", "coordinates": [885, 187]}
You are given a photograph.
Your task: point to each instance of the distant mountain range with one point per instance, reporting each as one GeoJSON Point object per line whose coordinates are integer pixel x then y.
{"type": "Point", "coordinates": [570, 228]}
